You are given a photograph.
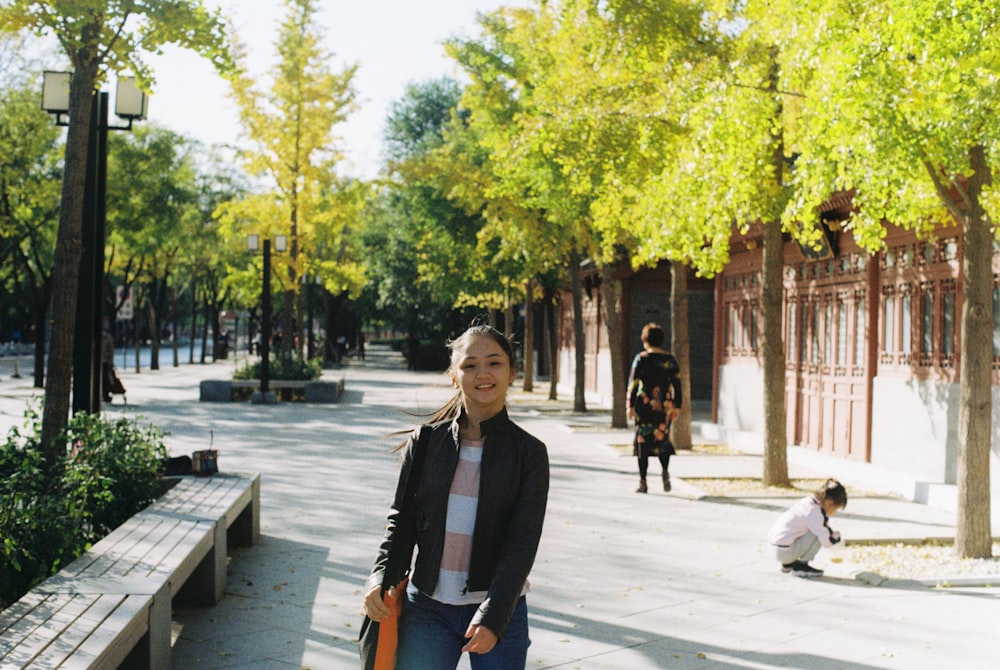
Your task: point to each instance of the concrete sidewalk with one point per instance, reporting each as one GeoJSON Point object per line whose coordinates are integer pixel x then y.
{"type": "Point", "coordinates": [622, 581]}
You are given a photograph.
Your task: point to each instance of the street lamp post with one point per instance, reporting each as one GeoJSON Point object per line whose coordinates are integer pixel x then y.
{"type": "Point", "coordinates": [130, 104]}
{"type": "Point", "coordinates": [265, 395]}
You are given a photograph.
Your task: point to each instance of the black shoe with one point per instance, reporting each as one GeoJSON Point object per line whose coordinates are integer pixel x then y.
{"type": "Point", "coordinates": [788, 567]}
{"type": "Point", "coordinates": [803, 569]}
{"type": "Point", "coordinates": [666, 482]}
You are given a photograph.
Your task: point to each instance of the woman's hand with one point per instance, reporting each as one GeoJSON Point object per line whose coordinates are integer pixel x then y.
{"type": "Point", "coordinates": [375, 607]}
{"type": "Point", "coordinates": [481, 640]}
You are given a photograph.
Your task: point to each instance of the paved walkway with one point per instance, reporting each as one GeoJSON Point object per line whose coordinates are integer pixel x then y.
{"type": "Point", "coordinates": [622, 581]}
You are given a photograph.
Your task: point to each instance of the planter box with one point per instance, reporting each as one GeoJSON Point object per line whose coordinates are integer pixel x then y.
{"type": "Point", "coordinates": [320, 391]}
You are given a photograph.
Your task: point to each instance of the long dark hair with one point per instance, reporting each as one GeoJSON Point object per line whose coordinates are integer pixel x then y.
{"type": "Point", "coordinates": [453, 408]}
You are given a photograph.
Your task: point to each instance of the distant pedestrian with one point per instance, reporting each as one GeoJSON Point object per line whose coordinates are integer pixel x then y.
{"type": "Point", "coordinates": [361, 345]}
{"type": "Point", "coordinates": [474, 513]}
{"type": "Point", "coordinates": [654, 401]}
{"type": "Point", "coordinates": [801, 530]}
{"type": "Point", "coordinates": [341, 347]}
{"type": "Point", "coordinates": [107, 364]}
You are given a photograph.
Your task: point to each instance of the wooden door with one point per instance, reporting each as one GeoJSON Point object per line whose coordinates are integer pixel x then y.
{"type": "Point", "coordinates": [827, 388]}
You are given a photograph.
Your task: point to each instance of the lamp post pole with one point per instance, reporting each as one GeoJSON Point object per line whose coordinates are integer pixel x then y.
{"type": "Point", "coordinates": [253, 244]}
{"type": "Point", "coordinates": [265, 337]}
{"type": "Point", "coordinates": [87, 382]}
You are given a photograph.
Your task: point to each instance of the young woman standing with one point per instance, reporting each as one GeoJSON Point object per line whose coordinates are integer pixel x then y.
{"type": "Point", "coordinates": [475, 517]}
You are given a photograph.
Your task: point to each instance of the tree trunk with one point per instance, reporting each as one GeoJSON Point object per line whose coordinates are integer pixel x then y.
{"type": "Point", "coordinates": [508, 316]}
{"type": "Point", "coordinates": [194, 321]}
{"type": "Point", "coordinates": [528, 350]}
{"type": "Point", "coordinates": [136, 325]}
{"type": "Point", "coordinates": [771, 307]}
{"type": "Point", "coordinates": [204, 332]}
{"type": "Point", "coordinates": [41, 324]}
{"type": "Point", "coordinates": [66, 262]}
{"type": "Point", "coordinates": [551, 343]}
{"type": "Point", "coordinates": [680, 347]}
{"type": "Point", "coordinates": [973, 537]}
{"type": "Point", "coordinates": [773, 361]}
{"type": "Point", "coordinates": [579, 338]}
{"type": "Point", "coordinates": [174, 335]}
{"type": "Point", "coordinates": [613, 317]}
{"type": "Point", "coordinates": [154, 336]}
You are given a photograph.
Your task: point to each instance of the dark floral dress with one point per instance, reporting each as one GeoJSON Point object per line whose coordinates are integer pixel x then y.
{"type": "Point", "coordinates": [653, 388]}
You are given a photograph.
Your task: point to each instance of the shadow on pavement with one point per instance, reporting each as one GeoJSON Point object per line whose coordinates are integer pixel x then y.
{"type": "Point", "coordinates": [663, 651]}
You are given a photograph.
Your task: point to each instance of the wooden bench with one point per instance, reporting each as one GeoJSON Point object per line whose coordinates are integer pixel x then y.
{"type": "Point", "coordinates": [111, 607]}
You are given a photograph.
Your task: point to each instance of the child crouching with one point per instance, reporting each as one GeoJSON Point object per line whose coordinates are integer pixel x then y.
{"type": "Point", "coordinates": [802, 529]}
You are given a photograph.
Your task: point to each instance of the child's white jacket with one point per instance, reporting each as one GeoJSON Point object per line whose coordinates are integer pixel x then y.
{"type": "Point", "coordinates": [805, 516]}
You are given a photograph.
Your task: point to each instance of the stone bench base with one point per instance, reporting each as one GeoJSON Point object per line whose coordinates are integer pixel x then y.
{"type": "Point", "coordinates": [322, 391]}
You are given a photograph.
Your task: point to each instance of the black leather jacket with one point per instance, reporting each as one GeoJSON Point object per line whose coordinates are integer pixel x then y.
{"type": "Point", "coordinates": [513, 490]}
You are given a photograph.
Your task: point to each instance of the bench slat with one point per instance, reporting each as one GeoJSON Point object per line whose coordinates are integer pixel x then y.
{"type": "Point", "coordinates": [149, 548]}
{"type": "Point", "coordinates": [75, 631]}
{"type": "Point", "coordinates": [142, 547]}
{"type": "Point", "coordinates": [33, 624]}
{"type": "Point", "coordinates": [82, 617]}
{"type": "Point", "coordinates": [212, 499]}
{"type": "Point", "coordinates": [119, 633]}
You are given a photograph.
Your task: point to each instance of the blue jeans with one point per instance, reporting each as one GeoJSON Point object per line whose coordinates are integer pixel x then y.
{"type": "Point", "coordinates": [432, 634]}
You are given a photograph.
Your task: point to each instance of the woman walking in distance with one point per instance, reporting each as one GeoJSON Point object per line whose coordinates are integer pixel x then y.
{"type": "Point", "coordinates": [475, 517]}
{"type": "Point", "coordinates": [654, 401]}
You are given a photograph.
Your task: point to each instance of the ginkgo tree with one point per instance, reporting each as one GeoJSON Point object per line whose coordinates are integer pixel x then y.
{"type": "Point", "coordinates": [617, 74]}
{"type": "Point", "coordinates": [730, 173]}
{"type": "Point", "coordinates": [511, 64]}
{"type": "Point", "coordinates": [573, 110]}
{"type": "Point", "coordinates": [294, 150]}
{"type": "Point", "coordinates": [97, 37]}
{"type": "Point", "coordinates": [900, 105]}
{"type": "Point", "coordinates": [424, 176]}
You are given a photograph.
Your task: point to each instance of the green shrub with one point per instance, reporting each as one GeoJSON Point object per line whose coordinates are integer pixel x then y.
{"type": "Point", "coordinates": [292, 368]}
{"type": "Point", "coordinates": [49, 516]}
{"type": "Point", "coordinates": [113, 469]}
{"type": "Point", "coordinates": [40, 528]}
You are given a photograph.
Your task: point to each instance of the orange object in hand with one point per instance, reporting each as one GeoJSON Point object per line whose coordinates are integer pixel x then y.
{"type": "Point", "coordinates": [388, 629]}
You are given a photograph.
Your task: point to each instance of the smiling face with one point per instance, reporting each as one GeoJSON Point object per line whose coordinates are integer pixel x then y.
{"type": "Point", "coordinates": [482, 371]}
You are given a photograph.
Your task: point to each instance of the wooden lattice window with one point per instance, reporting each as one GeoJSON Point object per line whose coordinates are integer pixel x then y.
{"type": "Point", "coordinates": [889, 346]}
{"type": "Point", "coordinates": [948, 323]}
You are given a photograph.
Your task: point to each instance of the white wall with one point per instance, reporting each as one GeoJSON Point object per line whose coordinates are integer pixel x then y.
{"type": "Point", "coordinates": [914, 434]}
{"type": "Point", "coordinates": [914, 427]}
{"type": "Point", "coordinates": [741, 406]}
{"type": "Point", "coordinates": [602, 396]}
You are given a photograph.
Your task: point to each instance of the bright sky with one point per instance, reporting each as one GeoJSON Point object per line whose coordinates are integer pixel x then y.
{"type": "Point", "coordinates": [394, 42]}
